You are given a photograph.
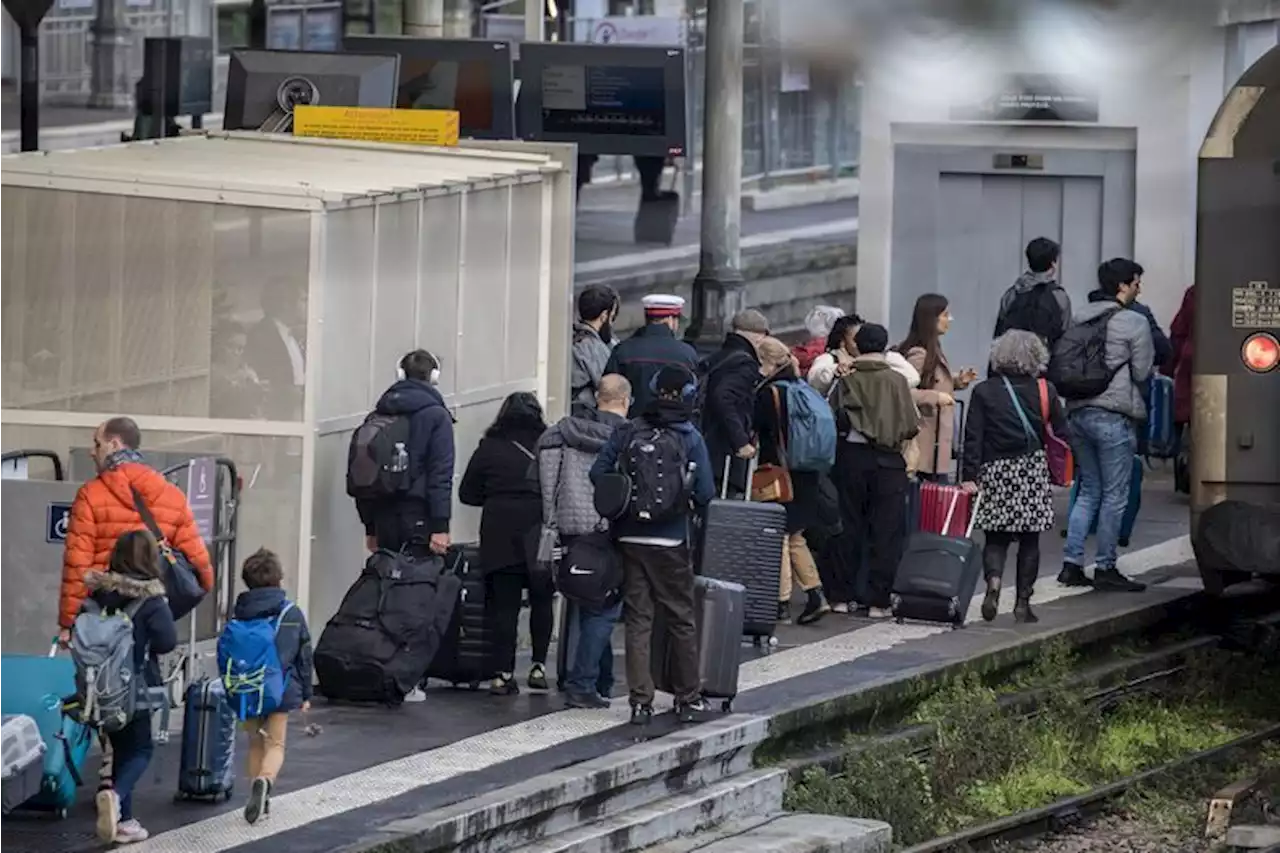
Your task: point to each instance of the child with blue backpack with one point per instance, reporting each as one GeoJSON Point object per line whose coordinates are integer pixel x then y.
{"type": "Point", "coordinates": [264, 656]}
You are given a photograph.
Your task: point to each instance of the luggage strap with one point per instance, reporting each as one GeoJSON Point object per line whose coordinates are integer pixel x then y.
{"type": "Point", "coordinates": [70, 762]}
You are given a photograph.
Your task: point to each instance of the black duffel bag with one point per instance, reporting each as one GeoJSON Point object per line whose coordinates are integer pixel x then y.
{"type": "Point", "coordinates": [377, 647]}
{"type": "Point", "coordinates": [590, 572]}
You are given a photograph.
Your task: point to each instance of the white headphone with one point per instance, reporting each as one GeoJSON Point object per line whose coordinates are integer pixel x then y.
{"type": "Point", "coordinates": [433, 377]}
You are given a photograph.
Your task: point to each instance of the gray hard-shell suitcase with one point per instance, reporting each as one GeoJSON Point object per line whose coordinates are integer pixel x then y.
{"type": "Point", "coordinates": [719, 607]}
{"type": "Point", "coordinates": [938, 574]}
{"type": "Point", "coordinates": [742, 542]}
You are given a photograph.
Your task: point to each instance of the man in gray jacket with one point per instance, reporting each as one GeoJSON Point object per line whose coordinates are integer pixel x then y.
{"type": "Point", "coordinates": [1104, 428]}
{"type": "Point", "coordinates": [592, 344]}
{"type": "Point", "coordinates": [565, 454]}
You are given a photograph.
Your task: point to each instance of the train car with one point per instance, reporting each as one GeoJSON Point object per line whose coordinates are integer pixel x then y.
{"type": "Point", "coordinates": [1235, 429]}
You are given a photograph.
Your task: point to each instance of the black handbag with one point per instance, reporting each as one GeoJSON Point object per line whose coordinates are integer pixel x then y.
{"type": "Point", "coordinates": [182, 587]}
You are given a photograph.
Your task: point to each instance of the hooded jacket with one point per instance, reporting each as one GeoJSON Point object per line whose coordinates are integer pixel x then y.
{"type": "Point", "coordinates": [154, 633]}
{"type": "Point", "coordinates": [1130, 354]}
{"type": "Point", "coordinates": [822, 375]}
{"type": "Point", "coordinates": [293, 640]}
{"type": "Point", "coordinates": [430, 452]}
{"type": "Point", "coordinates": [1026, 282]}
{"type": "Point", "coordinates": [874, 400]}
{"type": "Point", "coordinates": [732, 375]}
{"type": "Point", "coordinates": [566, 452]}
{"type": "Point", "coordinates": [104, 509]}
{"type": "Point", "coordinates": [499, 479]}
{"type": "Point", "coordinates": [590, 357]}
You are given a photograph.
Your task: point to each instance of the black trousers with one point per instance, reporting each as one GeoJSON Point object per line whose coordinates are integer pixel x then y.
{"type": "Point", "coordinates": [505, 593]}
{"type": "Point", "coordinates": [996, 550]}
{"type": "Point", "coordinates": [873, 500]}
{"type": "Point", "coordinates": [403, 523]}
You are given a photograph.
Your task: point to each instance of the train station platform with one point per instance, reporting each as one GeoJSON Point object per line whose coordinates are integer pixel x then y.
{"type": "Point", "coordinates": [370, 766]}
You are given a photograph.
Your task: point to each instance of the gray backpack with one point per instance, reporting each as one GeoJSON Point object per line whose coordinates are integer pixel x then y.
{"type": "Point", "coordinates": [110, 688]}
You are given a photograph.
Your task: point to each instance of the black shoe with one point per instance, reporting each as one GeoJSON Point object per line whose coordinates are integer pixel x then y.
{"type": "Point", "coordinates": [257, 805]}
{"type": "Point", "coordinates": [591, 701]}
{"type": "Point", "coordinates": [1110, 580]}
{"type": "Point", "coordinates": [692, 712]}
{"type": "Point", "coordinates": [815, 607]}
{"type": "Point", "coordinates": [990, 604]}
{"type": "Point", "coordinates": [1073, 575]}
{"type": "Point", "coordinates": [503, 685]}
{"type": "Point", "coordinates": [641, 715]}
{"type": "Point", "coordinates": [538, 677]}
{"type": "Point", "coordinates": [1022, 612]}
{"type": "Point", "coordinates": [784, 613]}
{"type": "Point", "coordinates": [270, 786]}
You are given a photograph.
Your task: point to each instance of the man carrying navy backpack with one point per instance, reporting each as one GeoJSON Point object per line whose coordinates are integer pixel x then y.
{"type": "Point", "coordinates": [264, 700]}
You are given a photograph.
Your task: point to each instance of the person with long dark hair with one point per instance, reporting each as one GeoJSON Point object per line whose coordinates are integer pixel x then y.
{"type": "Point", "coordinates": [935, 397]}
{"type": "Point", "coordinates": [499, 479]}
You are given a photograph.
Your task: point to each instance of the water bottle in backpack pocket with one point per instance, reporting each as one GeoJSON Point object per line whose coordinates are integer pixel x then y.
{"type": "Point", "coordinates": [250, 665]}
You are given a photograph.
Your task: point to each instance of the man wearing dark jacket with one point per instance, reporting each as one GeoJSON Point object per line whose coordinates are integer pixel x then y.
{"type": "Point", "coordinates": [1037, 302]}
{"type": "Point", "coordinates": [732, 375]}
{"type": "Point", "coordinates": [423, 512]}
{"type": "Point", "coordinates": [651, 348]}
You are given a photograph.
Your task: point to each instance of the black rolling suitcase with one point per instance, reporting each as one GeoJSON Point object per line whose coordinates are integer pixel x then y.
{"type": "Point", "coordinates": [938, 574]}
{"type": "Point", "coordinates": [719, 607]}
{"type": "Point", "coordinates": [464, 654]}
{"type": "Point", "coordinates": [742, 543]}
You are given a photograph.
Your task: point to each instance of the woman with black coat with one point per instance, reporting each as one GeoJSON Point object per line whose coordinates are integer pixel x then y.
{"type": "Point", "coordinates": [499, 479]}
{"type": "Point", "coordinates": [804, 510]}
{"type": "Point", "coordinates": [1005, 460]}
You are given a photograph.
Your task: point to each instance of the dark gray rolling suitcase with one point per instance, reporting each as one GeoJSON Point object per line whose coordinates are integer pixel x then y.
{"type": "Point", "coordinates": [742, 543]}
{"type": "Point", "coordinates": [567, 645]}
{"type": "Point", "coordinates": [719, 606]}
{"type": "Point", "coordinates": [938, 574]}
{"type": "Point", "coordinates": [466, 648]}
{"type": "Point", "coordinates": [206, 766]}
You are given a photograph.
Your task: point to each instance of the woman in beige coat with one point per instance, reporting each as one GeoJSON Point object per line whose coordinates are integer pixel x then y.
{"type": "Point", "coordinates": [923, 349]}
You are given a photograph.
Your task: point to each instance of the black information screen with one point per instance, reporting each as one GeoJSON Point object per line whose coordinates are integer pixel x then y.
{"type": "Point", "coordinates": [602, 99]}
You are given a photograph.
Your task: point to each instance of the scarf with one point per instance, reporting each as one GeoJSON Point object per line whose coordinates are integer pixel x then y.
{"type": "Point", "coordinates": [118, 458]}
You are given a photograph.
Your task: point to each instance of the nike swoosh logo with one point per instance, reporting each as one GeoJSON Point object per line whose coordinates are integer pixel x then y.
{"type": "Point", "coordinates": [574, 570]}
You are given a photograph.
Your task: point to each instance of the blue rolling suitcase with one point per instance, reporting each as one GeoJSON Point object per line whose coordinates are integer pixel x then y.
{"type": "Point", "coordinates": [206, 770]}
{"type": "Point", "coordinates": [1130, 511]}
{"type": "Point", "coordinates": [35, 687]}
{"type": "Point", "coordinates": [1161, 434]}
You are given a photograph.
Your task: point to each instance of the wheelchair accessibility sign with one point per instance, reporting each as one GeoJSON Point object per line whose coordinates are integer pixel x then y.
{"type": "Point", "coordinates": [58, 521]}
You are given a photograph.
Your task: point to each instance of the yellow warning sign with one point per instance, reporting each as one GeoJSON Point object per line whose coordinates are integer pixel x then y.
{"type": "Point", "coordinates": [413, 127]}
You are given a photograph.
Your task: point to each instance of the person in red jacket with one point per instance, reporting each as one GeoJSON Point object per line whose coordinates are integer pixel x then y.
{"type": "Point", "coordinates": [818, 323]}
{"type": "Point", "coordinates": [1181, 335]}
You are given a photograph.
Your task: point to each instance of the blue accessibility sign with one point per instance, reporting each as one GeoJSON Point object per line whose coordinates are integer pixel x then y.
{"type": "Point", "coordinates": [57, 523]}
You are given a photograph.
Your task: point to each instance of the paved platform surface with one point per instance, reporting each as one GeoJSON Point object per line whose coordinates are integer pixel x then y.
{"type": "Point", "coordinates": [369, 765]}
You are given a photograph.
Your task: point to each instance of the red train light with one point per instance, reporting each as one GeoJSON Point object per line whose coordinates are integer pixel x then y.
{"type": "Point", "coordinates": [1261, 352]}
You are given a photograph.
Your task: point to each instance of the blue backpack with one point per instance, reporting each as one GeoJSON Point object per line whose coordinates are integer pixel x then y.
{"type": "Point", "coordinates": [811, 429]}
{"type": "Point", "coordinates": [250, 665]}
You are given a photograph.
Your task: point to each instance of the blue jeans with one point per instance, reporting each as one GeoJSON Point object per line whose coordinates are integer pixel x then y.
{"type": "Point", "coordinates": [592, 669]}
{"type": "Point", "coordinates": [1103, 443]}
{"type": "Point", "coordinates": [131, 753]}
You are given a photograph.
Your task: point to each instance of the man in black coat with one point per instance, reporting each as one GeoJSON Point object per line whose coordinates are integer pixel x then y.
{"type": "Point", "coordinates": [651, 348]}
{"type": "Point", "coordinates": [424, 511]}
{"type": "Point", "coordinates": [732, 375]}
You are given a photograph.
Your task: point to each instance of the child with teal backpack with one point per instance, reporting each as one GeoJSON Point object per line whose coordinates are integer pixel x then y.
{"type": "Point", "coordinates": [264, 657]}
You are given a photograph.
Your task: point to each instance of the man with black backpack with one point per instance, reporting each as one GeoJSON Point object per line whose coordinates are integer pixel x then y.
{"type": "Point", "coordinates": [1037, 302]}
{"type": "Point", "coordinates": [663, 459]}
{"type": "Point", "coordinates": [400, 462]}
{"type": "Point", "coordinates": [1101, 366]}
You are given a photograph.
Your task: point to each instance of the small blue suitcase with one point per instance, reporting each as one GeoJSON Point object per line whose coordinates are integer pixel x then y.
{"type": "Point", "coordinates": [1161, 434]}
{"type": "Point", "coordinates": [206, 770]}
{"type": "Point", "coordinates": [35, 686]}
{"type": "Point", "coordinates": [1131, 508]}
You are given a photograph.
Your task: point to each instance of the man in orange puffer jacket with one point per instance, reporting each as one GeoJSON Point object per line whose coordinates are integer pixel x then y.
{"type": "Point", "coordinates": [104, 509]}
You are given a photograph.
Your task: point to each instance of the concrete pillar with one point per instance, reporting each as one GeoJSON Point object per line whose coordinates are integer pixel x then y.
{"type": "Point", "coordinates": [111, 41]}
{"type": "Point", "coordinates": [717, 289]}
{"type": "Point", "coordinates": [424, 18]}
{"type": "Point", "coordinates": [534, 20]}
{"type": "Point", "coordinates": [458, 23]}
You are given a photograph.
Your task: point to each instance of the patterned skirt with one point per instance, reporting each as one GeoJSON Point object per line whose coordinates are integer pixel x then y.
{"type": "Point", "coordinates": [1016, 495]}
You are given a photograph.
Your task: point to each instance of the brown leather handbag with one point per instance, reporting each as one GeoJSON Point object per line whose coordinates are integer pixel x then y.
{"type": "Point", "coordinates": [772, 483]}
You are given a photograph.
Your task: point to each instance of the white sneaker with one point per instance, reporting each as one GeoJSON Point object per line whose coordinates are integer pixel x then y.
{"type": "Point", "coordinates": [415, 695]}
{"type": "Point", "coordinates": [108, 805]}
{"type": "Point", "coordinates": [130, 832]}
{"type": "Point", "coordinates": [879, 613]}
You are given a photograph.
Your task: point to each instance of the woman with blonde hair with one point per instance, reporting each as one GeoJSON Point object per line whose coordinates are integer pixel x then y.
{"type": "Point", "coordinates": [779, 368]}
{"type": "Point", "coordinates": [1005, 460]}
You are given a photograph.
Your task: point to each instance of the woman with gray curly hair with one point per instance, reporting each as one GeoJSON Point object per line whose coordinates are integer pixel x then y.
{"type": "Point", "coordinates": [1005, 459]}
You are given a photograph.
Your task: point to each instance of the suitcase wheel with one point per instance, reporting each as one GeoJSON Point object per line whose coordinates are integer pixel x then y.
{"type": "Point", "coordinates": [227, 796]}
{"type": "Point", "coordinates": [727, 706]}
{"type": "Point", "coordinates": [60, 814]}
{"type": "Point", "coordinates": [899, 620]}
{"type": "Point", "coordinates": [473, 686]}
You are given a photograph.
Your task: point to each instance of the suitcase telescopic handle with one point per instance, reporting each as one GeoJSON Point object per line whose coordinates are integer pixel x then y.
{"type": "Point", "coordinates": [724, 479]}
{"type": "Point", "coordinates": [951, 512]}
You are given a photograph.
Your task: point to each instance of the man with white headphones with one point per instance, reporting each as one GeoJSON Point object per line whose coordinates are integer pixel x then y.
{"type": "Point", "coordinates": [401, 463]}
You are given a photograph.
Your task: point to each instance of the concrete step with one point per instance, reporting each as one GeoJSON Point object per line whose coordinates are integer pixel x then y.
{"type": "Point", "coordinates": [751, 793]}
{"type": "Point", "coordinates": [787, 833]}
{"type": "Point", "coordinates": [563, 801]}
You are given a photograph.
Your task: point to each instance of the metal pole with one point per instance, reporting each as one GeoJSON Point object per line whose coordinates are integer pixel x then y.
{"type": "Point", "coordinates": [717, 289]}
{"type": "Point", "coordinates": [690, 111]}
{"type": "Point", "coordinates": [533, 20]}
{"type": "Point", "coordinates": [29, 96]}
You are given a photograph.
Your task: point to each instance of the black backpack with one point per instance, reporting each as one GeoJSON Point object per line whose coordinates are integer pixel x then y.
{"type": "Point", "coordinates": [590, 572]}
{"type": "Point", "coordinates": [1037, 310]}
{"type": "Point", "coordinates": [1078, 368]}
{"type": "Point", "coordinates": [657, 464]}
{"type": "Point", "coordinates": [378, 461]}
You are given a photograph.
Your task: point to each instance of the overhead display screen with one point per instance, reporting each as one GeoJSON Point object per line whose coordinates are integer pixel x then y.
{"type": "Point", "coordinates": [608, 99]}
